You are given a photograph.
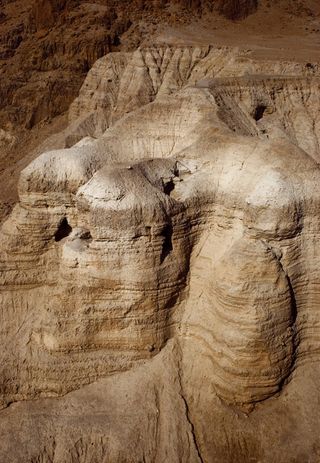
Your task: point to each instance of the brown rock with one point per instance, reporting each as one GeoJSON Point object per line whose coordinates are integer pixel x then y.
{"type": "Point", "coordinates": [162, 272]}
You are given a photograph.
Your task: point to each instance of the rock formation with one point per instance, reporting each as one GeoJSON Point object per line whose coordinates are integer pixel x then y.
{"type": "Point", "coordinates": [159, 274]}
{"type": "Point", "coordinates": [48, 46]}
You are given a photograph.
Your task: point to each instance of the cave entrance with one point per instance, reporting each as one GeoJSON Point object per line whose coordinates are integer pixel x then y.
{"type": "Point", "coordinates": [167, 242]}
{"type": "Point", "coordinates": [259, 112]}
{"type": "Point", "coordinates": [64, 230]}
{"type": "Point", "coordinates": [168, 187]}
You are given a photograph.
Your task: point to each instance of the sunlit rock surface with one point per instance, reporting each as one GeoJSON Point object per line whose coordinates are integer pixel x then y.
{"type": "Point", "coordinates": [160, 275]}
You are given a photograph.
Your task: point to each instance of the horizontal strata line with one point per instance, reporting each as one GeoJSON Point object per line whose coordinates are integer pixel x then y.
{"type": "Point", "coordinates": [224, 350]}
{"type": "Point", "coordinates": [224, 383]}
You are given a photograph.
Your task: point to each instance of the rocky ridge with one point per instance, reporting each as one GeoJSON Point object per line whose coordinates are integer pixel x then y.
{"type": "Point", "coordinates": [48, 46]}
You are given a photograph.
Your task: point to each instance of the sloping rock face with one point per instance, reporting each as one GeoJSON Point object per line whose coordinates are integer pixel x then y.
{"type": "Point", "coordinates": [162, 270]}
{"type": "Point", "coordinates": [284, 103]}
{"type": "Point", "coordinates": [48, 46]}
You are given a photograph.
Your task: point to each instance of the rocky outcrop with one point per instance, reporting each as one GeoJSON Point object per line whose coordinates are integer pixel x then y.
{"type": "Point", "coordinates": [283, 104]}
{"type": "Point", "coordinates": [166, 265]}
{"type": "Point", "coordinates": [48, 46]}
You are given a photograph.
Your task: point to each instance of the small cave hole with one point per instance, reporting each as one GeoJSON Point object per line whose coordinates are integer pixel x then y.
{"type": "Point", "coordinates": [167, 242]}
{"type": "Point", "coordinates": [64, 230]}
{"type": "Point", "coordinates": [168, 187]}
{"type": "Point", "coordinates": [259, 112]}
{"type": "Point", "coordinates": [86, 235]}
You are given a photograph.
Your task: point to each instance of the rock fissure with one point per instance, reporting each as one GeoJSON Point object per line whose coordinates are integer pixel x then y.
{"type": "Point", "coordinates": [187, 414]}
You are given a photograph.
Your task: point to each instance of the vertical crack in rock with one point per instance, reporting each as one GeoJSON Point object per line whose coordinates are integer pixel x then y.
{"type": "Point", "coordinates": [157, 424]}
{"type": "Point", "coordinates": [187, 411]}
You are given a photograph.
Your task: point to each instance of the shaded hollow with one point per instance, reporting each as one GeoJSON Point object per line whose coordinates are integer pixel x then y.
{"type": "Point", "coordinates": [168, 187]}
{"type": "Point", "coordinates": [64, 230]}
{"type": "Point", "coordinates": [167, 242]}
{"type": "Point", "coordinates": [259, 112]}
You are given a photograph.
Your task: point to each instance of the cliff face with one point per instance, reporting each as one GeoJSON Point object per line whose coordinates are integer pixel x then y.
{"type": "Point", "coordinates": [159, 273]}
{"type": "Point", "coordinates": [284, 103]}
{"type": "Point", "coordinates": [161, 267]}
{"type": "Point", "coordinates": [48, 46]}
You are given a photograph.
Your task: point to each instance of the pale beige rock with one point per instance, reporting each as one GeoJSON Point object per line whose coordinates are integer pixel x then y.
{"type": "Point", "coordinates": [181, 245]}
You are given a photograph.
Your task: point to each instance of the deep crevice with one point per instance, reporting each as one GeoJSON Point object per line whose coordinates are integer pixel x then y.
{"type": "Point", "coordinates": [63, 230]}
{"type": "Point", "coordinates": [294, 311]}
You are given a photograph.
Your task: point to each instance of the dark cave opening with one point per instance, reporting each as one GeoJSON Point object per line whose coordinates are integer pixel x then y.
{"type": "Point", "coordinates": [167, 242]}
{"type": "Point", "coordinates": [64, 230]}
{"type": "Point", "coordinates": [168, 187]}
{"type": "Point", "coordinates": [259, 112]}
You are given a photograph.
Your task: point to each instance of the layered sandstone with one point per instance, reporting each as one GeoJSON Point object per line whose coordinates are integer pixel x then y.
{"type": "Point", "coordinates": [161, 267]}
{"type": "Point", "coordinates": [48, 46]}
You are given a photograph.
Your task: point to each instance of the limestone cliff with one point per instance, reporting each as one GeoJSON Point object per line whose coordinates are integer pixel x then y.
{"type": "Point", "coordinates": [159, 275]}
{"type": "Point", "coordinates": [48, 46]}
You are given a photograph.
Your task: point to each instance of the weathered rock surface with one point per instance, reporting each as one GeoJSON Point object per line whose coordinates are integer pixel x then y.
{"type": "Point", "coordinates": [285, 102]}
{"type": "Point", "coordinates": [48, 46]}
{"type": "Point", "coordinates": [161, 269]}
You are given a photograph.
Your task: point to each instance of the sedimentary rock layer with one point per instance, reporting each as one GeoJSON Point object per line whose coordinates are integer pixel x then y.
{"type": "Point", "coordinates": [178, 234]}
